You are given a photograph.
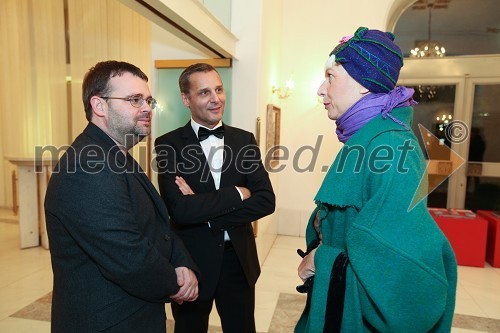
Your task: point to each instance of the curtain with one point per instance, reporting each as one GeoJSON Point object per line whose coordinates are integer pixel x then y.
{"type": "Point", "coordinates": [40, 91]}
{"type": "Point", "coordinates": [33, 86]}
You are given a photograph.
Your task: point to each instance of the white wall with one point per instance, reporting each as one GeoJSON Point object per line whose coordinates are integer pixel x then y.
{"type": "Point", "coordinates": [310, 32]}
{"type": "Point", "coordinates": [220, 9]}
{"type": "Point", "coordinates": [256, 30]}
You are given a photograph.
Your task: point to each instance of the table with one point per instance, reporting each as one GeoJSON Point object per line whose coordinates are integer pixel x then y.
{"type": "Point", "coordinates": [493, 242]}
{"type": "Point", "coordinates": [33, 176]}
{"type": "Point", "coordinates": [466, 232]}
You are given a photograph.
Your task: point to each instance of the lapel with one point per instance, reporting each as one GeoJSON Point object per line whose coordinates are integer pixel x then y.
{"type": "Point", "coordinates": [230, 154]}
{"type": "Point", "coordinates": [115, 156]}
{"type": "Point", "coordinates": [189, 139]}
{"type": "Point", "coordinates": [148, 186]}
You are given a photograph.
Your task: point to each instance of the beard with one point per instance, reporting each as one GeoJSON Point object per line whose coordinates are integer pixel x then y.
{"type": "Point", "coordinates": [128, 130]}
{"type": "Point", "coordinates": [141, 132]}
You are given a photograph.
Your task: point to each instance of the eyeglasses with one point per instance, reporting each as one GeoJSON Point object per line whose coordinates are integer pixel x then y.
{"type": "Point", "coordinates": [136, 101]}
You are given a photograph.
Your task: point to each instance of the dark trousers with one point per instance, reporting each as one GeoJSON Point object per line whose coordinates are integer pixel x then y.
{"type": "Point", "coordinates": [234, 300]}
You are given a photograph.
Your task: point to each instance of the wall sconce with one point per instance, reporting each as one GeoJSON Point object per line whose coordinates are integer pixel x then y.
{"type": "Point", "coordinates": [284, 92]}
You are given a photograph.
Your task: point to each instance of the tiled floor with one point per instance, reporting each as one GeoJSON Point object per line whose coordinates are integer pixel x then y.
{"type": "Point", "coordinates": [26, 276]}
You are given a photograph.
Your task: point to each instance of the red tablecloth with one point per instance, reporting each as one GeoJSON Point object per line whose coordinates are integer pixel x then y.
{"type": "Point", "coordinates": [493, 243]}
{"type": "Point", "coordinates": [467, 234]}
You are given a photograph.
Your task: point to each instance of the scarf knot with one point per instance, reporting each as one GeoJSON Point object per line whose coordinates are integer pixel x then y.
{"type": "Point", "coordinates": [370, 106]}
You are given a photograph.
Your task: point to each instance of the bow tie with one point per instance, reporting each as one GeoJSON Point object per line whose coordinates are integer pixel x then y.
{"type": "Point", "coordinates": [204, 133]}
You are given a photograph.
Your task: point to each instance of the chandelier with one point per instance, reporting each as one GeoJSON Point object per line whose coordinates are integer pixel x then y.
{"type": "Point", "coordinates": [428, 48]}
{"type": "Point", "coordinates": [426, 93]}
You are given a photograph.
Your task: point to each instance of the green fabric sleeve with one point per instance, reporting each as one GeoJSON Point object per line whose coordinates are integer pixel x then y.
{"type": "Point", "coordinates": [398, 281]}
{"type": "Point", "coordinates": [315, 319]}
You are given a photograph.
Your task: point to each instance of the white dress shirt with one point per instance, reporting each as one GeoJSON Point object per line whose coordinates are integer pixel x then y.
{"type": "Point", "coordinates": [213, 148]}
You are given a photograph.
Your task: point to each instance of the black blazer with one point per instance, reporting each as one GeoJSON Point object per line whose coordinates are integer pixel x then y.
{"type": "Point", "coordinates": [180, 153]}
{"type": "Point", "coordinates": [113, 252]}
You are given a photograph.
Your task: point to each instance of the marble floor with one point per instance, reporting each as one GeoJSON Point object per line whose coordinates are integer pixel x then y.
{"type": "Point", "coordinates": [26, 283]}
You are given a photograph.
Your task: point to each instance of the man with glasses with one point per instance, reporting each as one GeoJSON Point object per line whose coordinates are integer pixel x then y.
{"type": "Point", "coordinates": [114, 257]}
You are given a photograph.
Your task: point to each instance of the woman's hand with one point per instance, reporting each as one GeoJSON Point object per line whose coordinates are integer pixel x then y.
{"type": "Point", "coordinates": [306, 268]}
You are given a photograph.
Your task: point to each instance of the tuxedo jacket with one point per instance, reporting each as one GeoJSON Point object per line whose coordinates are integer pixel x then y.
{"type": "Point", "coordinates": [113, 252]}
{"type": "Point", "coordinates": [201, 219]}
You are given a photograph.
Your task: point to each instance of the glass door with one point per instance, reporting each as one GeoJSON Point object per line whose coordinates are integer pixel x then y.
{"type": "Point", "coordinates": [460, 90]}
{"type": "Point", "coordinates": [439, 106]}
{"type": "Point", "coordinates": [434, 111]}
{"type": "Point", "coordinates": [483, 161]}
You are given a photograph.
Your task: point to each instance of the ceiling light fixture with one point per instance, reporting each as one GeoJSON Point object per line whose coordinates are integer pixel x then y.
{"type": "Point", "coordinates": [428, 48]}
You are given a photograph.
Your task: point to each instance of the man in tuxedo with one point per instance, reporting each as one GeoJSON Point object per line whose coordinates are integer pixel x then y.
{"type": "Point", "coordinates": [115, 259]}
{"type": "Point", "coordinates": [214, 184]}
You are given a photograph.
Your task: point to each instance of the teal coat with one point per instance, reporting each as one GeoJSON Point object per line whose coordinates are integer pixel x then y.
{"type": "Point", "coordinates": [402, 272]}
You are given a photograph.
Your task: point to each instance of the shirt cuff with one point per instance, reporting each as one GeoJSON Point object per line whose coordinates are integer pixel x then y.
{"type": "Point", "coordinates": [241, 194]}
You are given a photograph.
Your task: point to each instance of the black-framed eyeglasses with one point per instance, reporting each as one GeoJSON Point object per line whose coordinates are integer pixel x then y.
{"type": "Point", "coordinates": [136, 101]}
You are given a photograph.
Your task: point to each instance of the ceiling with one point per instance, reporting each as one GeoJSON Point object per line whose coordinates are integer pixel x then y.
{"type": "Point", "coordinates": [463, 27]}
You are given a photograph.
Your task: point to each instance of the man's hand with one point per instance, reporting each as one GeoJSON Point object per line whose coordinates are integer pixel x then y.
{"type": "Point", "coordinates": [186, 279]}
{"type": "Point", "coordinates": [245, 192]}
{"type": "Point", "coordinates": [306, 268]}
{"type": "Point", "coordinates": [186, 189]}
{"type": "Point", "coordinates": [183, 186]}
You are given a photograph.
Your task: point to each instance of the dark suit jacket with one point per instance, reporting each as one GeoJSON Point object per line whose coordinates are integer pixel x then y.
{"type": "Point", "coordinates": [113, 252]}
{"type": "Point", "coordinates": [180, 153]}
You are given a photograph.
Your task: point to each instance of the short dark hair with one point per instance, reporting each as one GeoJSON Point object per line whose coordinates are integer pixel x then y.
{"type": "Point", "coordinates": [95, 81]}
{"type": "Point", "coordinates": [184, 84]}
